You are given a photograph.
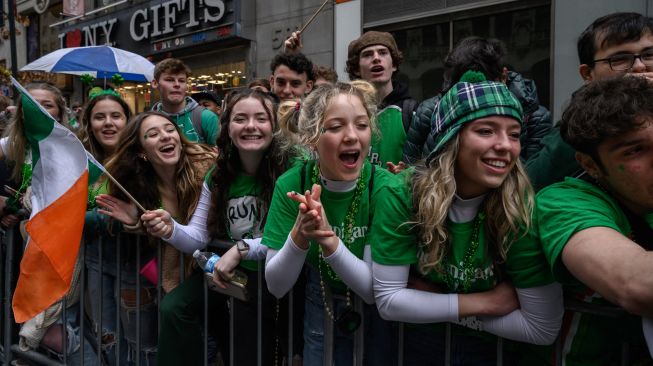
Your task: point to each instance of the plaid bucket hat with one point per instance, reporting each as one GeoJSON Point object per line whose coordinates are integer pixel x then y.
{"type": "Point", "coordinates": [473, 97]}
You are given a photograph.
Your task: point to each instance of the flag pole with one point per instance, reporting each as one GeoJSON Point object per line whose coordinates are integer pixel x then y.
{"type": "Point", "coordinates": [310, 20]}
{"type": "Point", "coordinates": [131, 198]}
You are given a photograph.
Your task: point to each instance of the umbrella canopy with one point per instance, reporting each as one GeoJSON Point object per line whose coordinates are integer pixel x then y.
{"type": "Point", "coordinates": [98, 61]}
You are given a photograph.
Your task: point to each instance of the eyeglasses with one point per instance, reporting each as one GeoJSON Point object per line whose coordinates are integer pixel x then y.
{"type": "Point", "coordinates": [625, 61]}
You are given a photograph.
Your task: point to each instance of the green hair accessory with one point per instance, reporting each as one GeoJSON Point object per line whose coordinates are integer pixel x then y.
{"type": "Point", "coordinates": [87, 79]}
{"type": "Point", "coordinates": [472, 77]}
{"type": "Point", "coordinates": [117, 80]}
{"type": "Point", "coordinates": [94, 93]}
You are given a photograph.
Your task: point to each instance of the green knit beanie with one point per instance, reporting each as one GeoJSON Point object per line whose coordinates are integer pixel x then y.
{"type": "Point", "coordinates": [472, 98]}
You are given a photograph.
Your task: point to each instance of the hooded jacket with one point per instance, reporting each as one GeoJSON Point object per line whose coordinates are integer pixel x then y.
{"type": "Point", "coordinates": [209, 122]}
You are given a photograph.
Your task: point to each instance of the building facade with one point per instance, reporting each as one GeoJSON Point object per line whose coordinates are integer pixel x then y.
{"type": "Point", "coordinates": [227, 43]}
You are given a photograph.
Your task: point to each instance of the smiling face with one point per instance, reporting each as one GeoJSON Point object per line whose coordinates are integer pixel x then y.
{"type": "Point", "coordinates": [107, 121]}
{"type": "Point", "coordinates": [376, 64]}
{"type": "Point", "coordinates": [172, 88]}
{"type": "Point", "coordinates": [47, 100]}
{"type": "Point", "coordinates": [250, 128]}
{"type": "Point", "coordinates": [160, 141]}
{"type": "Point", "coordinates": [345, 142]}
{"type": "Point", "coordinates": [489, 149]}
{"type": "Point", "coordinates": [288, 84]}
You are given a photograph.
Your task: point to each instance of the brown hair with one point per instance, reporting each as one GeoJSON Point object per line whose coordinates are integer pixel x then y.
{"type": "Point", "coordinates": [325, 73]}
{"type": "Point", "coordinates": [86, 135]}
{"type": "Point", "coordinates": [139, 177]}
{"type": "Point", "coordinates": [228, 164]}
{"type": "Point", "coordinates": [171, 66]}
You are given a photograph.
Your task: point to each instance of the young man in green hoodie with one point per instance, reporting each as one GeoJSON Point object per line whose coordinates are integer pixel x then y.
{"type": "Point", "coordinates": [170, 79]}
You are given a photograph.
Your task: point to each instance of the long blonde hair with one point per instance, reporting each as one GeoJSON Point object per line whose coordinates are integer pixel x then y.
{"type": "Point", "coordinates": [508, 208]}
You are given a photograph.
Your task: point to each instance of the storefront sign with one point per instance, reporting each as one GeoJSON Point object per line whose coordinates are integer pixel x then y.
{"type": "Point", "coordinates": [157, 26]}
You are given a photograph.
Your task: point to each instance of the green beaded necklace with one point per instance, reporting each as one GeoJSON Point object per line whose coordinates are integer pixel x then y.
{"type": "Point", "coordinates": [467, 263]}
{"type": "Point", "coordinates": [349, 319]}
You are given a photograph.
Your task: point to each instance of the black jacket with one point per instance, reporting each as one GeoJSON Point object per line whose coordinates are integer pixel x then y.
{"type": "Point", "coordinates": [537, 121]}
{"type": "Point", "coordinates": [400, 97]}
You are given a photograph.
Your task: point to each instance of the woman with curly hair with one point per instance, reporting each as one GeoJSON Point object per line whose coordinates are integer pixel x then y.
{"type": "Point", "coordinates": [324, 225]}
{"type": "Point", "coordinates": [455, 228]}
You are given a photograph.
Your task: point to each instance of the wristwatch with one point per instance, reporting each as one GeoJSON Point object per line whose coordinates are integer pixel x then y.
{"type": "Point", "coordinates": [243, 248]}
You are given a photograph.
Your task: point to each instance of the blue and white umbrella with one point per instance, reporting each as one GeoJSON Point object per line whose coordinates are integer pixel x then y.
{"type": "Point", "coordinates": [98, 61]}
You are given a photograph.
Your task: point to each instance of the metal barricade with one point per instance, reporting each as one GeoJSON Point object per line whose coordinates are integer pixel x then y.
{"type": "Point", "coordinates": [10, 252]}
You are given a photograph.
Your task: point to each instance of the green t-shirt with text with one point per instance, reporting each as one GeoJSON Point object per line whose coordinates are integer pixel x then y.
{"type": "Point", "coordinates": [244, 211]}
{"type": "Point", "coordinates": [395, 241]}
{"type": "Point", "coordinates": [283, 212]}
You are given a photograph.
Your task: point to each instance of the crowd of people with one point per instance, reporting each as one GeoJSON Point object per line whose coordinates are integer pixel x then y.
{"type": "Point", "coordinates": [466, 217]}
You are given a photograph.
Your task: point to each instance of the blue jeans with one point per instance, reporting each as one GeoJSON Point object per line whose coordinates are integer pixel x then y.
{"type": "Point", "coordinates": [425, 345]}
{"type": "Point", "coordinates": [74, 338]}
{"type": "Point", "coordinates": [380, 341]}
{"type": "Point", "coordinates": [107, 296]}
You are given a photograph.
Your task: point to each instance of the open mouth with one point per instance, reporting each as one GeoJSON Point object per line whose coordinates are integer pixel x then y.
{"type": "Point", "coordinates": [167, 149]}
{"type": "Point", "coordinates": [350, 158]}
{"type": "Point", "coordinates": [109, 133]}
{"type": "Point", "coordinates": [252, 137]}
{"type": "Point", "coordinates": [377, 69]}
{"type": "Point", "coordinates": [497, 164]}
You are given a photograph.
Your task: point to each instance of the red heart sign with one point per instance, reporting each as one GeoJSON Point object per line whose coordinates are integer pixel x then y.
{"type": "Point", "coordinates": [74, 38]}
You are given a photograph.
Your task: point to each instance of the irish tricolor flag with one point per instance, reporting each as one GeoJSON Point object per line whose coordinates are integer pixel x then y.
{"type": "Point", "coordinates": [59, 195]}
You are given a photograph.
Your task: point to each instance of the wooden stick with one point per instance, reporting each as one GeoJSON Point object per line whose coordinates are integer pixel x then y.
{"type": "Point", "coordinates": [310, 20]}
{"type": "Point", "coordinates": [131, 198]}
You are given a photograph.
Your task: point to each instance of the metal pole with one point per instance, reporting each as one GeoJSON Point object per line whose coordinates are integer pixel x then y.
{"type": "Point", "coordinates": [118, 296]}
{"type": "Point", "coordinates": [12, 36]}
{"type": "Point", "coordinates": [9, 241]}
{"type": "Point", "coordinates": [231, 331]}
{"type": "Point", "coordinates": [447, 345]}
{"type": "Point", "coordinates": [205, 289]}
{"type": "Point", "coordinates": [400, 348]}
{"type": "Point", "coordinates": [99, 313]}
{"type": "Point", "coordinates": [499, 351]}
{"type": "Point", "coordinates": [327, 338]}
{"type": "Point", "coordinates": [290, 327]}
{"type": "Point", "coordinates": [82, 292]}
{"type": "Point", "coordinates": [259, 314]}
{"type": "Point", "coordinates": [138, 301]}
{"type": "Point", "coordinates": [359, 336]}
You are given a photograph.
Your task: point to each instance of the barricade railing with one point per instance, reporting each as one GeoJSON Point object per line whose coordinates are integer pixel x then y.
{"type": "Point", "coordinates": [102, 352]}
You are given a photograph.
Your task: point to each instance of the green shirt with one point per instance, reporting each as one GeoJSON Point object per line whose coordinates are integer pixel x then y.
{"type": "Point", "coordinates": [564, 209]}
{"type": "Point", "coordinates": [244, 210]}
{"type": "Point", "coordinates": [389, 146]}
{"type": "Point", "coordinates": [283, 212]}
{"type": "Point", "coordinates": [396, 243]}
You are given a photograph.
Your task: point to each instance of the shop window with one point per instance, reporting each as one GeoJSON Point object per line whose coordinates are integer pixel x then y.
{"type": "Point", "coordinates": [525, 34]}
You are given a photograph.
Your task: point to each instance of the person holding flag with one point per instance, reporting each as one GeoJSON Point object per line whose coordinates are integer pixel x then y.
{"type": "Point", "coordinates": [163, 170]}
{"type": "Point", "coordinates": [53, 162]}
